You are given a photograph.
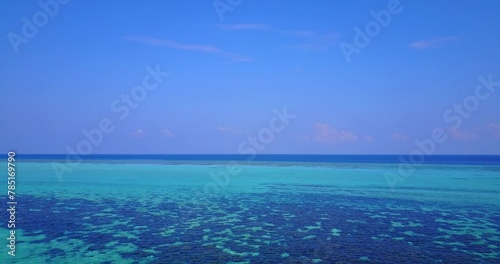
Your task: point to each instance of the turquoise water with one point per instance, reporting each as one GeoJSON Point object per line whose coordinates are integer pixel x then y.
{"type": "Point", "coordinates": [173, 211]}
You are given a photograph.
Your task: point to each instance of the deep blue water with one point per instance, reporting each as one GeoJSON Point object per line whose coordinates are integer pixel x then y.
{"type": "Point", "coordinates": [366, 229]}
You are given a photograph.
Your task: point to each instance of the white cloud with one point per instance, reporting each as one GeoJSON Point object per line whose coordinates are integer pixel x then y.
{"type": "Point", "coordinates": [326, 134]}
{"type": "Point", "coordinates": [457, 134]}
{"type": "Point", "coordinates": [138, 133]}
{"type": "Point", "coordinates": [235, 27]}
{"type": "Point", "coordinates": [167, 133]}
{"type": "Point", "coordinates": [152, 41]}
{"type": "Point", "coordinates": [432, 43]}
{"type": "Point", "coordinates": [311, 40]}
{"type": "Point", "coordinates": [495, 130]}
{"type": "Point", "coordinates": [399, 137]}
{"type": "Point", "coordinates": [226, 129]}
{"type": "Point", "coordinates": [369, 138]}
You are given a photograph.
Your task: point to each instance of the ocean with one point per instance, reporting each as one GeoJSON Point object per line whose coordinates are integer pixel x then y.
{"type": "Point", "coordinates": [253, 209]}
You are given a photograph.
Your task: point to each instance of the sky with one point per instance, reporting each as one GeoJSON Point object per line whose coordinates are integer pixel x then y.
{"type": "Point", "coordinates": [240, 76]}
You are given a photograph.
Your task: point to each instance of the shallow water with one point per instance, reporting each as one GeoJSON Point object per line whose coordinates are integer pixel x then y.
{"type": "Point", "coordinates": [123, 211]}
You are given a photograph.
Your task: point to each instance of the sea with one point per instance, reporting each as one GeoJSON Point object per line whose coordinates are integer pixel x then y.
{"type": "Point", "coordinates": [251, 209]}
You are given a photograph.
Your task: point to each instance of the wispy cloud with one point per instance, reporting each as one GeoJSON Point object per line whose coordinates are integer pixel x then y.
{"type": "Point", "coordinates": [432, 43]}
{"type": "Point", "coordinates": [457, 134]}
{"type": "Point", "coordinates": [152, 41]}
{"type": "Point", "coordinates": [300, 33]}
{"type": "Point", "coordinates": [226, 129]}
{"type": "Point", "coordinates": [171, 44]}
{"type": "Point", "coordinates": [326, 134]}
{"type": "Point", "coordinates": [369, 138]}
{"type": "Point", "coordinates": [399, 137]}
{"type": "Point", "coordinates": [234, 27]}
{"type": "Point", "coordinates": [138, 133]}
{"type": "Point", "coordinates": [314, 41]}
{"type": "Point", "coordinates": [264, 27]}
{"type": "Point", "coordinates": [495, 130]}
{"type": "Point", "coordinates": [167, 133]}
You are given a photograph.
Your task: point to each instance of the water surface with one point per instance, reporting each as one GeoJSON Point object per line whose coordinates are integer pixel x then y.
{"type": "Point", "coordinates": [271, 209]}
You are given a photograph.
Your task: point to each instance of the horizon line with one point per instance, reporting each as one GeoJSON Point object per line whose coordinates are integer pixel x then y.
{"type": "Point", "coordinates": [345, 154]}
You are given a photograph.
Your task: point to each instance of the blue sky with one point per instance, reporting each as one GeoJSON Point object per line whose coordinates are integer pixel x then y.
{"type": "Point", "coordinates": [230, 67]}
